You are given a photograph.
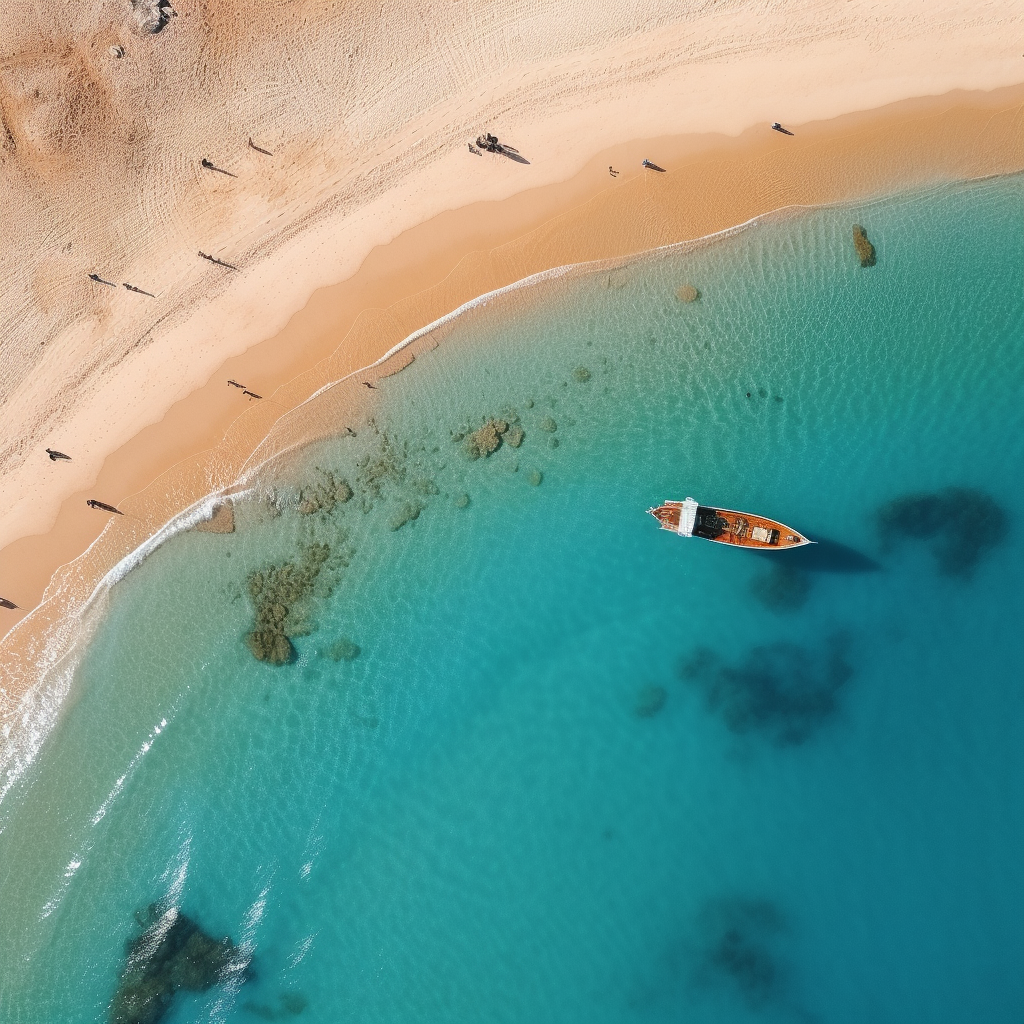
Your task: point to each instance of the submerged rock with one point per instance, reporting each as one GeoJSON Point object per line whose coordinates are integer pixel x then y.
{"type": "Point", "coordinates": [173, 953]}
{"type": "Point", "coordinates": [687, 293]}
{"type": "Point", "coordinates": [581, 375]}
{"type": "Point", "coordinates": [515, 436]}
{"type": "Point", "coordinates": [536, 477]}
{"type": "Point", "coordinates": [425, 487]}
{"type": "Point", "coordinates": [781, 690]}
{"type": "Point", "coordinates": [289, 1004]}
{"type": "Point", "coordinates": [376, 470]}
{"type": "Point", "coordinates": [343, 649]}
{"type": "Point", "coordinates": [462, 501]}
{"type": "Point", "coordinates": [865, 250]}
{"type": "Point", "coordinates": [649, 701]}
{"type": "Point", "coordinates": [270, 645]}
{"type": "Point", "coordinates": [548, 425]}
{"type": "Point", "coordinates": [409, 511]}
{"type": "Point", "coordinates": [781, 588]}
{"type": "Point", "coordinates": [486, 440]}
{"type": "Point", "coordinates": [279, 594]}
{"type": "Point", "coordinates": [737, 938]}
{"type": "Point", "coordinates": [961, 523]}
{"type": "Point", "coordinates": [323, 494]}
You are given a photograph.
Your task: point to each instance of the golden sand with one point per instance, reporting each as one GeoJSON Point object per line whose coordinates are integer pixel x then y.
{"type": "Point", "coordinates": [366, 180]}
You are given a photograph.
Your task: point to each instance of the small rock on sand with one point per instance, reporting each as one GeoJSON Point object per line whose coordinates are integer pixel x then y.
{"type": "Point", "coordinates": [687, 293]}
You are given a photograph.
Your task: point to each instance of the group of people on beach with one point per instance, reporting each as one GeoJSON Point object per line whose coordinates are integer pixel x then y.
{"type": "Point", "coordinates": [490, 143]}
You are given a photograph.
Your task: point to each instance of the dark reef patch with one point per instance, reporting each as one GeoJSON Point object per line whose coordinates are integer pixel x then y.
{"type": "Point", "coordinates": [781, 690]}
{"type": "Point", "coordinates": [172, 954]}
{"type": "Point", "coordinates": [289, 1004]}
{"type": "Point", "coordinates": [961, 524]}
{"type": "Point", "coordinates": [281, 595]}
{"type": "Point", "coordinates": [649, 700]}
{"type": "Point", "coordinates": [377, 469]}
{"type": "Point", "coordinates": [781, 588]}
{"type": "Point", "coordinates": [865, 250]}
{"type": "Point", "coordinates": [324, 494]}
{"type": "Point", "coordinates": [406, 513]}
{"type": "Point", "coordinates": [343, 649]}
{"type": "Point", "coordinates": [736, 938]}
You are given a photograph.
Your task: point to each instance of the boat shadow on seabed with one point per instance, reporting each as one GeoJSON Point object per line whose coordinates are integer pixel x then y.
{"type": "Point", "coordinates": [823, 556]}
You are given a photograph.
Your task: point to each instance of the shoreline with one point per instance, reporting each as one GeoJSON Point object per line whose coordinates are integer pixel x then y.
{"type": "Point", "coordinates": [196, 450]}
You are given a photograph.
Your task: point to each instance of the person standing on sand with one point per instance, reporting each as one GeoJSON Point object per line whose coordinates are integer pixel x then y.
{"type": "Point", "coordinates": [93, 503]}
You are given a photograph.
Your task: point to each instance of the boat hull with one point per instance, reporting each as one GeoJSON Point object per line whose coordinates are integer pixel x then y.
{"type": "Point", "coordinates": [727, 526]}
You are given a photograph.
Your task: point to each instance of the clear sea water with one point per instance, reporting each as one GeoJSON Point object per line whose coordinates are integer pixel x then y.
{"type": "Point", "coordinates": [582, 769]}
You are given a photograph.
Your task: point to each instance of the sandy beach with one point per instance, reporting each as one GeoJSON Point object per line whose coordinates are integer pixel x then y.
{"type": "Point", "coordinates": [368, 218]}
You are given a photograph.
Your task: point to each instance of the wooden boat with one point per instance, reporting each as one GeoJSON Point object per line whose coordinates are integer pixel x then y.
{"type": "Point", "coordinates": [726, 526]}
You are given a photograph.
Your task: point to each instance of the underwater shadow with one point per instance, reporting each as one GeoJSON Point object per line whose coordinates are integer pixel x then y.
{"type": "Point", "coordinates": [781, 691]}
{"type": "Point", "coordinates": [960, 525]}
{"type": "Point", "coordinates": [171, 954]}
{"type": "Point", "coordinates": [825, 556]}
{"type": "Point", "coordinates": [737, 937]}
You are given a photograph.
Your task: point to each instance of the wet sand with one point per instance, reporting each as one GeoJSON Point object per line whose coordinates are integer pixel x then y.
{"type": "Point", "coordinates": [712, 183]}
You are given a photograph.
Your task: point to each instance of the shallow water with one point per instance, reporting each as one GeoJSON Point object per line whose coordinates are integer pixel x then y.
{"type": "Point", "coordinates": [581, 769]}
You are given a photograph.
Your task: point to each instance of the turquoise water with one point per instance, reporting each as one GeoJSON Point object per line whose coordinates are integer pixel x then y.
{"type": "Point", "coordinates": [581, 769]}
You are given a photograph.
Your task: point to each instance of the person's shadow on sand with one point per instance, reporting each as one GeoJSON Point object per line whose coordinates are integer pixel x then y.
{"type": "Point", "coordinates": [513, 154]}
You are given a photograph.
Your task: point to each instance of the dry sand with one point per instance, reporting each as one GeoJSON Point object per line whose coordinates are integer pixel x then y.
{"type": "Point", "coordinates": [371, 185]}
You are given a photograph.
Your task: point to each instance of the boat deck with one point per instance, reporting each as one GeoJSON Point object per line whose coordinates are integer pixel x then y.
{"type": "Point", "coordinates": [727, 526]}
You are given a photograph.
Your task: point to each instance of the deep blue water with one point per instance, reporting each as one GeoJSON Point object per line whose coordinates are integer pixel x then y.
{"type": "Point", "coordinates": [582, 769]}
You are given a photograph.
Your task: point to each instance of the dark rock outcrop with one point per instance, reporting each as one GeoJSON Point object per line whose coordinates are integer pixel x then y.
{"type": "Point", "coordinates": [172, 954]}
{"type": "Point", "coordinates": [279, 595]}
{"type": "Point", "coordinates": [324, 494]}
{"type": "Point", "coordinates": [487, 440]}
{"type": "Point", "coordinates": [865, 250]}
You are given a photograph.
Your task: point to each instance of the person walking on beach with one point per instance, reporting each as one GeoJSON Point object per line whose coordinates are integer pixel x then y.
{"type": "Point", "coordinates": [611, 170]}
{"type": "Point", "coordinates": [54, 456]}
{"type": "Point", "coordinates": [93, 503]}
